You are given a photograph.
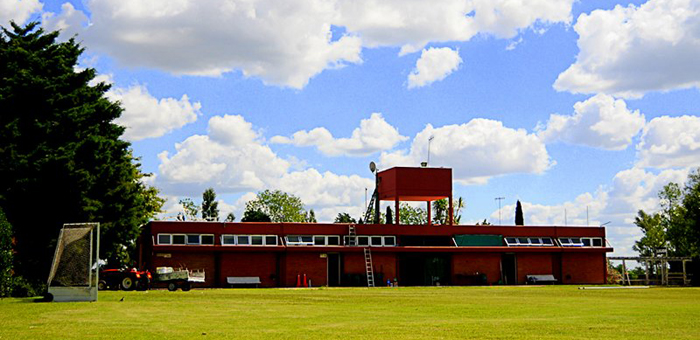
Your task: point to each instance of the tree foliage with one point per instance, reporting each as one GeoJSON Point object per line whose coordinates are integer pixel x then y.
{"type": "Point", "coordinates": [519, 220]}
{"type": "Point", "coordinates": [311, 217]}
{"type": "Point", "coordinates": [5, 256]}
{"type": "Point", "coordinates": [230, 217]}
{"type": "Point", "coordinates": [255, 216]}
{"type": "Point", "coordinates": [190, 208]}
{"type": "Point", "coordinates": [677, 225]}
{"type": "Point", "coordinates": [440, 211]}
{"type": "Point", "coordinates": [389, 215]}
{"type": "Point", "coordinates": [61, 153]}
{"type": "Point", "coordinates": [279, 206]}
{"type": "Point", "coordinates": [210, 207]}
{"type": "Point", "coordinates": [411, 215]}
{"type": "Point", "coordinates": [344, 218]}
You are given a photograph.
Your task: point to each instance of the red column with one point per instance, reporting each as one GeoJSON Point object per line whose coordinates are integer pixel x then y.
{"type": "Point", "coordinates": [429, 217]}
{"type": "Point", "coordinates": [450, 211]}
{"type": "Point", "coordinates": [396, 209]}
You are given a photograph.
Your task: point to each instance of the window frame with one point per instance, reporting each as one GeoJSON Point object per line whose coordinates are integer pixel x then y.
{"type": "Point", "coordinates": [170, 239]}
{"type": "Point", "coordinates": [184, 243]}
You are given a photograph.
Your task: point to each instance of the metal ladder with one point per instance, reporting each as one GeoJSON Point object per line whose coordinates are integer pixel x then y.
{"type": "Point", "coordinates": [368, 267]}
{"type": "Point", "coordinates": [352, 236]}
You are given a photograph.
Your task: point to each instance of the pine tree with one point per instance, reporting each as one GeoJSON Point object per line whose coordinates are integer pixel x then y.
{"type": "Point", "coordinates": [519, 220]}
{"type": "Point", "coordinates": [389, 216]}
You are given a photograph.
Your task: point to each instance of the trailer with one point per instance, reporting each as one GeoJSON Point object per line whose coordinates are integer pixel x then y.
{"type": "Point", "coordinates": [182, 278]}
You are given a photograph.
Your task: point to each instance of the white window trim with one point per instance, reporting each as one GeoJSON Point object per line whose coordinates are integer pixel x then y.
{"type": "Point", "coordinates": [369, 240]}
{"type": "Point", "coordinates": [170, 239]}
{"type": "Point", "coordinates": [529, 240]}
{"type": "Point", "coordinates": [570, 242]}
{"type": "Point", "coordinates": [250, 240]}
{"type": "Point", "coordinates": [590, 240]}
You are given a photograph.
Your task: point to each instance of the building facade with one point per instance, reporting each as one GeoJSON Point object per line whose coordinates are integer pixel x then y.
{"type": "Point", "coordinates": [279, 254]}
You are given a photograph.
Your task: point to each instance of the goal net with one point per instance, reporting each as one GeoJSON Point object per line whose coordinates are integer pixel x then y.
{"type": "Point", "coordinates": [74, 271]}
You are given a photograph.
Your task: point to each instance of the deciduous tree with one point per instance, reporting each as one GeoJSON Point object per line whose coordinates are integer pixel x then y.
{"type": "Point", "coordinates": [279, 206]}
{"type": "Point", "coordinates": [210, 207]}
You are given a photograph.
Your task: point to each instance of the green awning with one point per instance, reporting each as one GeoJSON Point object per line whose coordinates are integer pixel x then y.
{"type": "Point", "coordinates": [478, 240]}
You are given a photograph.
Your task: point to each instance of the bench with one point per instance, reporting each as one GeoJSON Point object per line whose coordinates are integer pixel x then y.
{"type": "Point", "coordinates": [243, 280]}
{"type": "Point", "coordinates": [540, 279]}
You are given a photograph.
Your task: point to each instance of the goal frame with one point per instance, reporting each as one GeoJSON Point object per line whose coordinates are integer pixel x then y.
{"type": "Point", "coordinates": [78, 293]}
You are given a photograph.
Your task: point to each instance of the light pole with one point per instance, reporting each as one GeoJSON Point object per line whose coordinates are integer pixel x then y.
{"type": "Point", "coordinates": [499, 199]}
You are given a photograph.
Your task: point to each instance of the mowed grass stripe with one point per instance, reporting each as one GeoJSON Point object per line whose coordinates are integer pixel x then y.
{"type": "Point", "coordinates": [551, 312]}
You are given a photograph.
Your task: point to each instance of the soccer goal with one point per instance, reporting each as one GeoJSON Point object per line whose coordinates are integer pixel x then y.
{"type": "Point", "coordinates": [75, 267]}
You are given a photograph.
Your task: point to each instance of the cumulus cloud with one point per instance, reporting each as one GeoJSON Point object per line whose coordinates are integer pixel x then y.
{"type": "Point", "coordinates": [232, 158]}
{"type": "Point", "coordinates": [628, 51]}
{"type": "Point", "coordinates": [433, 65]}
{"type": "Point", "coordinates": [631, 190]}
{"type": "Point", "coordinates": [413, 24]}
{"type": "Point", "coordinates": [18, 10]}
{"type": "Point", "coordinates": [373, 135]}
{"type": "Point", "coordinates": [475, 151]}
{"type": "Point", "coordinates": [670, 142]}
{"type": "Point", "coordinates": [287, 43]}
{"type": "Point", "coordinates": [145, 116]}
{"type": "Point", "coordinates": [600, 121]}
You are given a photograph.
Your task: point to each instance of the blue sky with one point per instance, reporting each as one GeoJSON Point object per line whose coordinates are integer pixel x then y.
{"type": "Point", "coordinates": [567, 106]}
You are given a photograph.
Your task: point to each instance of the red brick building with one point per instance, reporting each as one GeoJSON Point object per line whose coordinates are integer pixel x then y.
{"type": "Point", "coordinates": [334, 254]}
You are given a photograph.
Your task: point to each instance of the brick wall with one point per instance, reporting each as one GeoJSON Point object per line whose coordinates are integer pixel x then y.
{"type": "Point", "coordinates": [312, 264]}
{"type": "Point", "coordinates": [583, 268]}
{"type": "Point", "coordinates": [466, 265]}
{"type": "Point", "coordinates": [262, 265]}
{"type": "Point", "coordinates": [533, 264]}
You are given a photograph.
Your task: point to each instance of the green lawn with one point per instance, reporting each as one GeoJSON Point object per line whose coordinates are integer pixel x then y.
{"type": "Point", "coordinates": [553, 312]}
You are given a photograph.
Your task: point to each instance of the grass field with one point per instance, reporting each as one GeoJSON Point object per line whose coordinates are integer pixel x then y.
{"type": "Point", "coordinates": [552, 312]}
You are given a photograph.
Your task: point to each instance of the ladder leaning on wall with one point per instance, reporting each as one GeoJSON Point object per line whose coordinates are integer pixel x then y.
{"type": "Point", "coordinates": [368, 267]}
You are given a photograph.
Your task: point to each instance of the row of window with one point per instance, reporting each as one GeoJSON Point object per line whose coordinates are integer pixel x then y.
{"type": "Point", "coordinates": [249, 240]}
{"type": "Point", "coordinates": [581, 241]}
{"type": "Point", "coordinates": [186, 239]}
{"type": "Point", "coordinates": [361, 240]}
{"type": "Point", "coordinates": [529, 241]}
{"type": "Point", "coordinates": [372, 241]}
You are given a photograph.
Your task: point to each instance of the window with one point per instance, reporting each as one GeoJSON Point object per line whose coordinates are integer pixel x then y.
{"type": "Point", "coordinates": [570, 242]}
{"type": "Point", "coordinates": [389, 241]}
{"type": "Point", "coordinates": [256, 240]}
{"type": "Point", "coordinates": [333, 240]}
{"type": "Point", "coordinates": [592, 241]}
{"type": "Point", "coordinates": [270, 240]}
{"type": "Point", "coordinates": [164, 239]}
{"type": "Point", "coordinates": [243, 240]}
{"type": "Point", "coordinates": [207, 240]}
{"type": "Point", "coordinates": [377, 241]}
{"type": "Point", "coordinates": [293, 239]}
{"type": "Point", "coordinates": [529, 241]}
{"type": "Point", "coordinates": [362, 240]}
{"type": "Point", "coordinates": [319, 241]}
{"type": "Point", "coordinates": [307, 239]}
{"type": "Point", "coordinates": [193, 239]}
{"type": "Point", "coordinates": [300, 240]}
{"type": "Point", "coordinates": [228, 240]}
{"type": "Point", "coordinates": [178, 239]}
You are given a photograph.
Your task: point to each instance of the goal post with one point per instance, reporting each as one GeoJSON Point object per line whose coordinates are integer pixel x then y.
{"type": "Point", "coordinates": [75, 267]}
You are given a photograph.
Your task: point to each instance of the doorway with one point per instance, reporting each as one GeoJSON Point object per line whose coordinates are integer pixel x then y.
{"type": "Point", "coordinates": [509, 268]}
{"type": "Point", "coordinates": [424, 269]}
{"type": "Point", "coordinates": [333, 270]}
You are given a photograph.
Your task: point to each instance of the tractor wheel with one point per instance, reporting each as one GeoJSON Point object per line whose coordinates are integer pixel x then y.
{"type": "Point", "coordinates": [186, 286]}
{"type": "Point", "coordinates": [127, 283]}
{"type": "Point", "coordinates": [102, 285]}
{"type": "Point", "coordinates": [172, 286]}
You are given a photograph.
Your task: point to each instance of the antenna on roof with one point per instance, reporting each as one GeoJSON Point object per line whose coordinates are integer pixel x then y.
{"type": "Point", "coordinates": [429, 140]}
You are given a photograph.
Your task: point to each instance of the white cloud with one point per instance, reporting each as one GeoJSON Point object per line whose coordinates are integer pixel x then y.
{"type": "Point", "coordinates": [476, 151]}
{"type": "Point", "coordinates": [413, 24]}
{"type": "Point", "coordinates": [670, 142]}
{"type": "Point", "coordinates": [628, 51]}
{"type": "Point", "coordinates": [70, 21]}
{"type": "Point", "coordinates": [433, 65]}
{"type": "Point", "coordinates": [631, 190]}
{"type": "Point", "coordinates": [232, 158]}
{"type": "Point", "coordinates": [283, 43]}
{"type": "Point", "coordinates": [18, 10]}
{"type": "Point", "coordinates": [145, 116]}
{"type": "Point", "coordinates": [287, 43]}
{"type": "Point", "coordinates": [600, 121]}
{"type": "Point", "coordinates": [373, 135]}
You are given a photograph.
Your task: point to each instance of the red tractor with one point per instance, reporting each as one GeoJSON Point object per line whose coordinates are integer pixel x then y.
{"type": "Point", "coordinates": [125, 279]}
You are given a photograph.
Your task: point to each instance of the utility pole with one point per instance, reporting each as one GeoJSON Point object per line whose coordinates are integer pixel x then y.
{"type": "Point", "coordinates": [499, 199]}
